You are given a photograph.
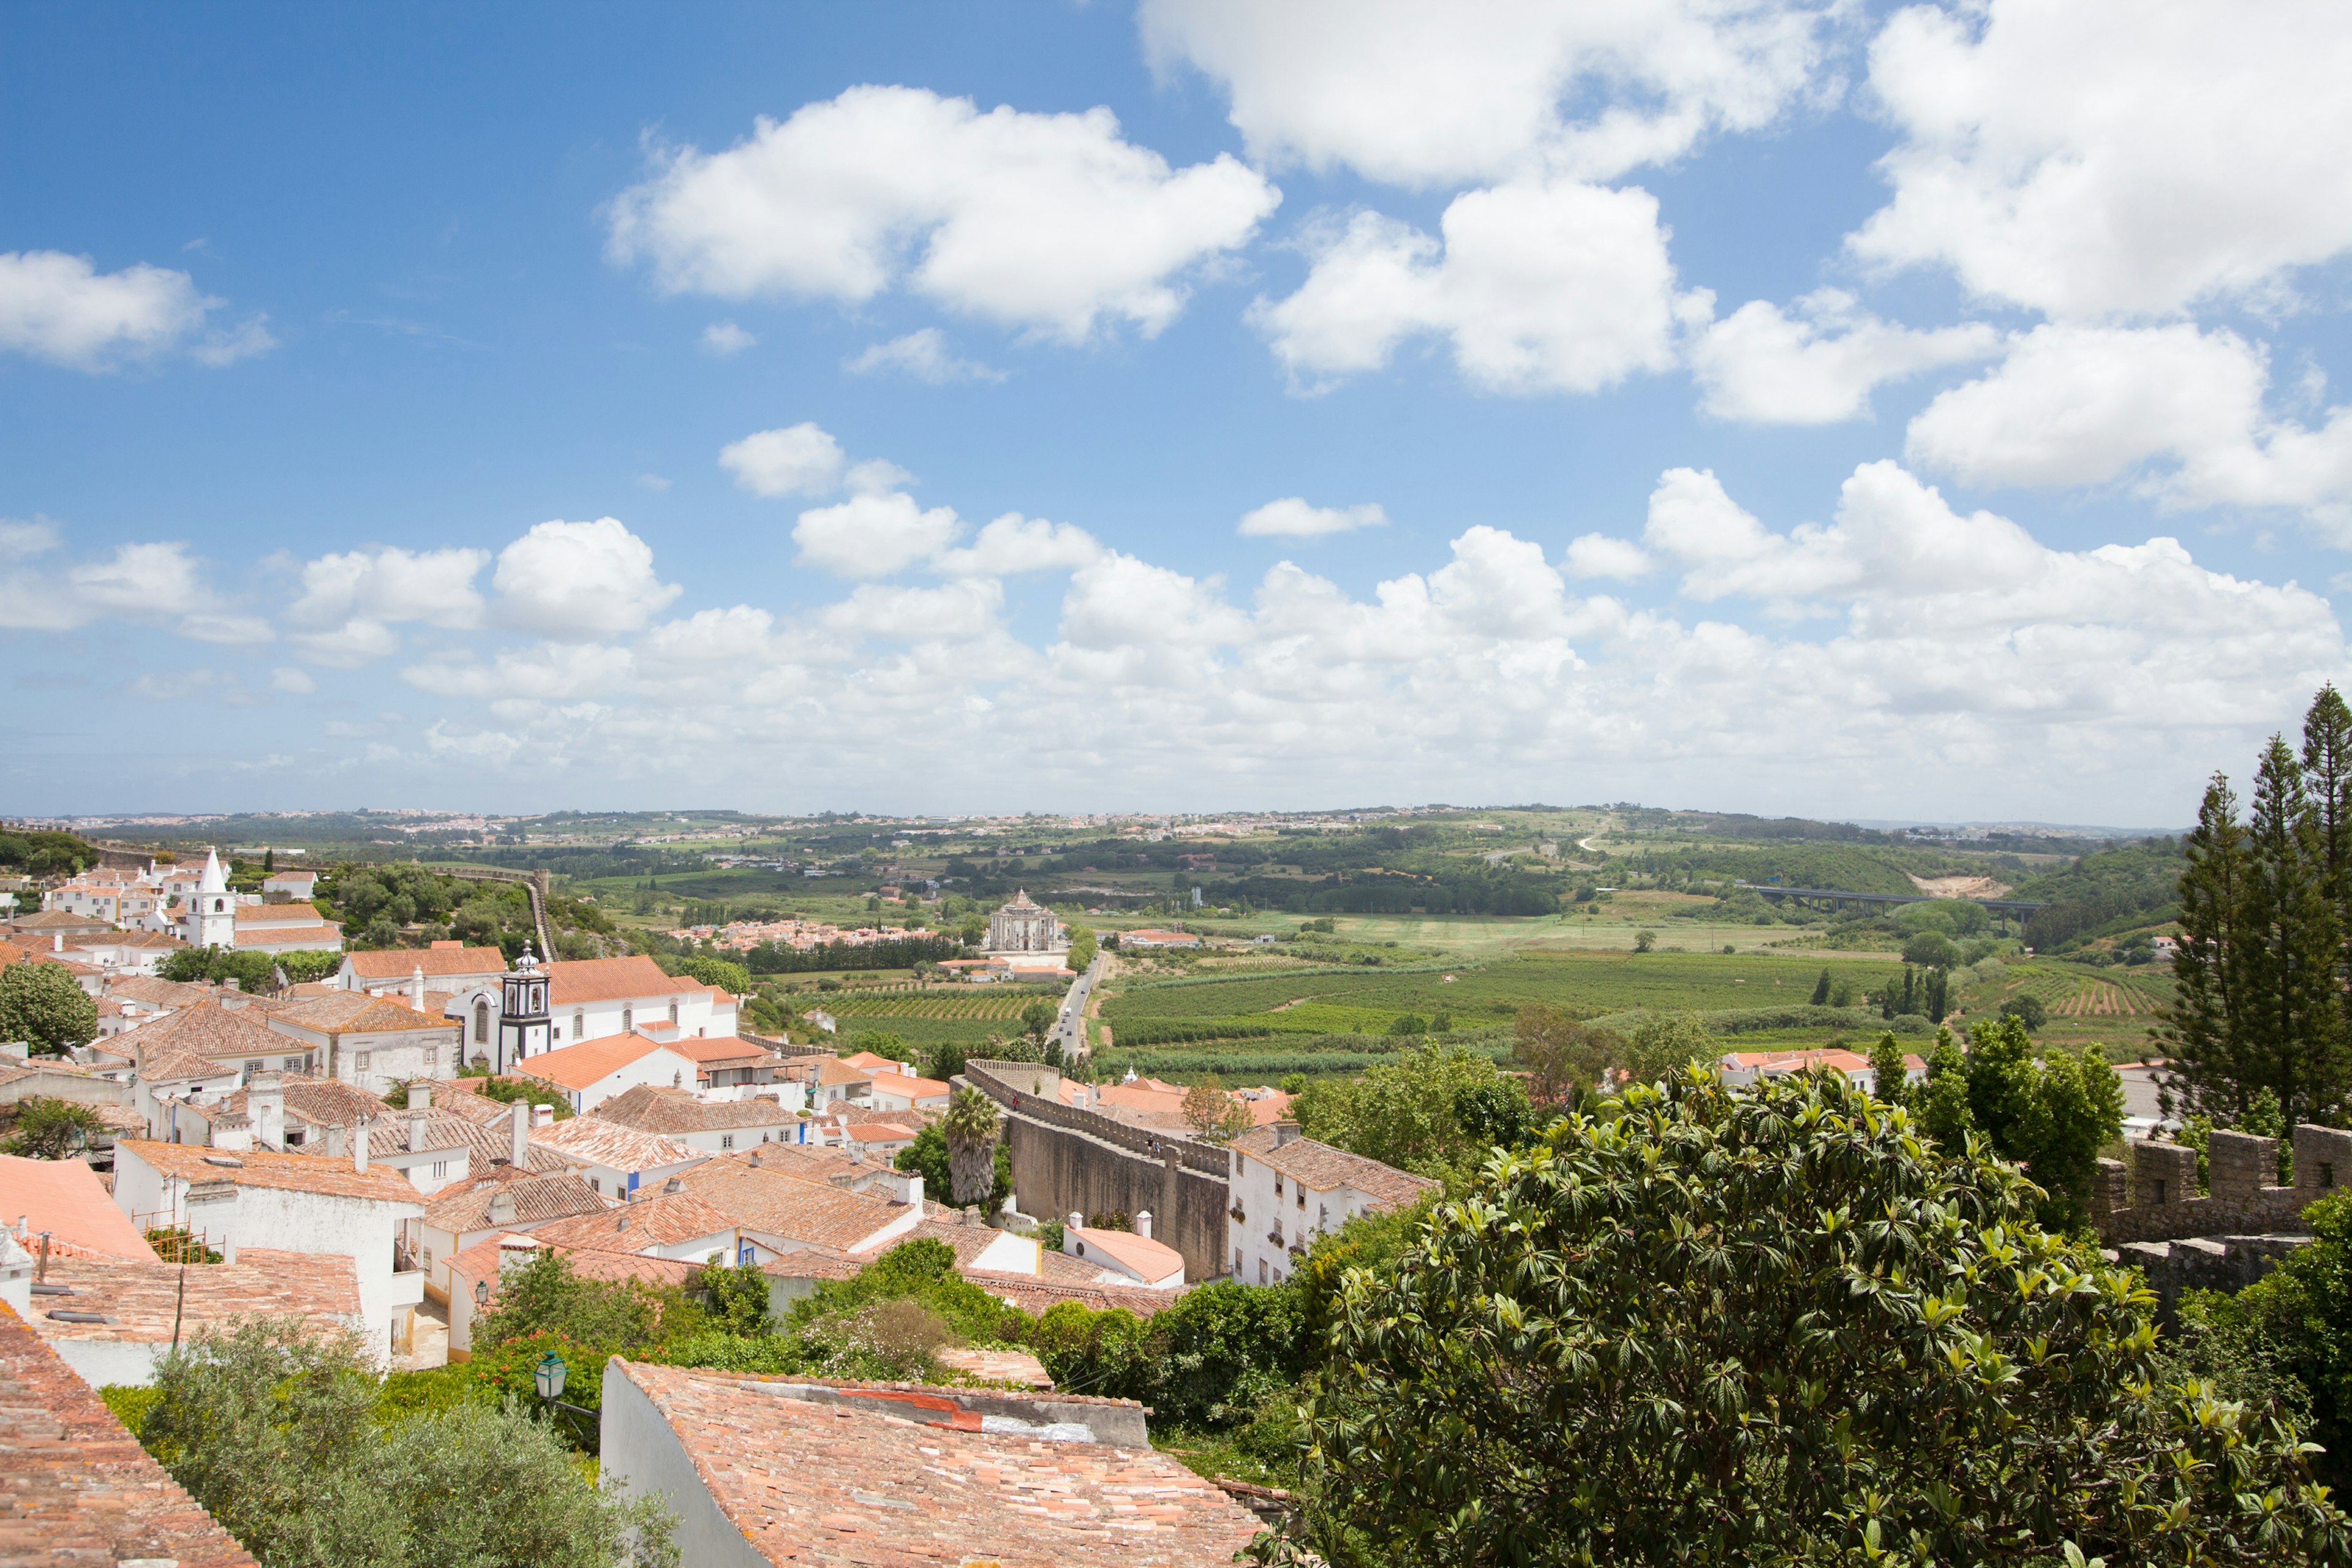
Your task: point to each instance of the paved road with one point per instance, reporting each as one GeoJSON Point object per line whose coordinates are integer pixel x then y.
{"type": "Point", "coordinates": [1070, 1026]}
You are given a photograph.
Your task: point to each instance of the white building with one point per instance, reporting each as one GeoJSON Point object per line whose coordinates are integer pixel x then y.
{"type": "Point", "coordinates": [214, 917]}
{"type": "Point", "coordinates": [288, 1203]}
{"type": "Point", "coordinates": [1023, 927]}
{"type": "Point", "coordinates": [444, 966]}
{"type": "Point", "coordinates": [298, 885]}
{"type": "Point", "coordinates": [1288, 1190]}
{"type": "Point", "coordinates": [1133, 1257]}
{"type": "Point", "coordinates": [618, 1160]}
{"type": "Point", "coordinates": [492, 1203]}
{"type": "Point", "coordinates": [594, 1071]}
{"type": "Point", "coordinates": [712, 1127]}
{"type": "Point", "coordinates": [372, 1041]}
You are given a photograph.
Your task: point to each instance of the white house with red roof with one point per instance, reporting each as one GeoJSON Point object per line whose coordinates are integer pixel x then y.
{"type": "Point", "coordinates": [1131, 1256]}
{"type": "Point", "coordinates": [594, 1071]}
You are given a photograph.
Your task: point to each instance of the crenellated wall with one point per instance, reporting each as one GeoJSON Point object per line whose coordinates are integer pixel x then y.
{"type": "Point", "coordinates": [2154, 1198]}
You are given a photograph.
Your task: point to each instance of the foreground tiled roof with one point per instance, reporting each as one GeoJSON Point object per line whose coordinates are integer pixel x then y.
{"type": "Point", "coordinates": [536, 1198]}
{"type": "Point", "coordinates": [651, 1109]}
{"type": "Point", "coordinates": [808, 1483]}
{"type": "Point", "coordinates": [401, 963]}
{"type": "Point", "coordinates": [612, 980]}
{"type": "Point", "coordinates": [211, 1028]}
{"type": "Point", "coordinates": [592, 1141]}
{"type": "Point", "coordinates": [663, 1220]}
{"type": "Point", "coordinates": [325, 1173]}
{"type": "Point", "coordinates": [760, 1198]}
{"type": "Point", "coordinates": [811, 1163]}
{"type": "Point", "coordinates": [75, 1488]}
{"type": "Point", "coordinates": [66, 1198]}
{"type": "Point", "coordinates": [139, 1298]}
{"type": "Point", "coordinates": [1322, 1168]}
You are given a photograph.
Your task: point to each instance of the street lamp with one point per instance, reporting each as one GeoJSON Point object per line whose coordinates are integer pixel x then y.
{"type": "Point", "coordinates": [481, 1292]}
{"type": "Point", "coordinates": [549, 1376]}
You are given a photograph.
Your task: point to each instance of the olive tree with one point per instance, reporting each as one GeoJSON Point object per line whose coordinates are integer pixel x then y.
{"type": "Point", "coordinates": [1774, 1326]}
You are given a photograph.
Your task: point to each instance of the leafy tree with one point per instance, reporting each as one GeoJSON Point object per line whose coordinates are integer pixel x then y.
{"type": "Point", "coordinates": [1822, 988]}
{"type": "Point", "coordinates": [928, 1156]}
{"type": "Point", "coordinates": [1889, 1073]}
{"type": "Point", "coordinates": [1408, 1024]}
{"type": "Point", "coordinates": [1564, 1059]}
{"type": "Point", "coordinates": [735, 1297]}
{"type": "Point", "coordinates": [1212, 1113]}
{"type": "Point", "coordinates": [1931, 948]}
{"type": "Point", "coordinates": [274, 1433]}
{"type": "Point", "coordinates": [1941, 1104]}
{"type": "Point", "coordinates": [1644, 941]}
{"type": "Point", "coordinates": [947, 1059]}
{"type": "Point", "coordinates": [546, 1296]}
{"type": "Point", "coordinates": [1662, 1044]}
{"type": "Point", "coordinates": [51, 1129]}
{"type": "Point", "coordinates": [1082, 949]}
{"type": "Point", "coordinates": [43, 1005]}
{"type": "Point", "coordinates": [1037, 1020]}
{"type": "Point", "coordinates": [2027, 1010]}
{"type": "Point", "coordinates": [1428, 1110]}
{"type": "Point", "coordinates": [970, 1128]}
{"type": "Point", "coordinates": [2052, 1115]}
{"type": "Point", "coordinates": [1938, 994]}
{"type": "Point", "coordinates": [1773, 1326]}
{"type": "Point", "coordinates": [730, 978]}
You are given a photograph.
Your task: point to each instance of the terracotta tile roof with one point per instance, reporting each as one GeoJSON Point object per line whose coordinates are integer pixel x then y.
{"type": "Point", "coordinates": [11, 953]}
{"type": "Point", "coordinates": [165, 1065]}
{"type": "Point", "coordinates": [281, 914]}
{"type": "Point", "coordinates": [319, 938]}
{"type": "Point", "coordinates": [871, 1062]}
{"type": "Point", "coordinates": [611, 980]}
{"type": "Point", "coordinates": [401, 963]}
{"type": "Point", "coordinates": [916, 1087]}
{"type": "Point", "coordinates": [814, 1263]}
{"type": "Point", "coordinates": [537, 1199]}
{"type": "Point", "coordinates": [266, 1168]}
{"type": "Point", "coordinates": [140, 939]}
{"type": "Point", "coordinates": [1322, 1168]}
{"type": "Point", "coordinates": [835, 1483]}
{"type": "Point", "coordinates": [156, 992]}
{"type": "Point", "coordinates": [589, 1062]}
{"type": "Point", "coordinates": [1149, 1259]}
{"type": "Point", "coordinates": [832, 1072]}
{"type": "Point", "coordinates": [592, 1141]}
{"type": "Point", "coordinates": [1036, 1296]}
{"type": "Point", "coordinates": [872, 1132]}
{"type": "Point", "coordinates": [357, 1013]}
{"type": "Point", "coordinates": [722, 1050]}
{"type": "Point", "coordinates": [66, 1198]}
{"type": "Point", "coordinates": [663, 1220]}
{"type": "Point", "coordinates": [464, 1096]}
{"type": "Point", "coordinates": [208, 1028]}
{"type": "Point", "coordinates": [79, 1489]}
{"type": "Point", "coordinates": [650, 1109]}
{"type": "Point", "coordinates": [140, 1295]}
{"type": "Point", "coordinates": [811, 1163]}
{"type": "Point", "coordinates": [759, 1198]}
{"type": "Point", "coordinates": [319, 1101]}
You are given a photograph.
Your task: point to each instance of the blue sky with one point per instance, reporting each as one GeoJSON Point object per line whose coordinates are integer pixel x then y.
{"type": "Point", "coordinates": [1741, 405]}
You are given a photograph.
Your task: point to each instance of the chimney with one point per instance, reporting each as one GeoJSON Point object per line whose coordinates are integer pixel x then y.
{"type": "Point", "coordinates": [338, 1145]}
{"type": "Point", "coordinates": [1144, 1224]}
{"type": "Point", "coordinates": [915, 1192]}
{"type": "Point", "coordinates": [232, 1132]}
{"type": "Point", "coordinates": [231, 983]}
{"type": "Point", "coordinates": [420, 1096]}
{"type": "Point", "coordinates": [1284, 1131]}
{"type": "Point", "coordinates": [358, 1145]}
{"type": "Point", "coordinates": [502, 1208]}
{"type": "Point", "coordinates": [265, 1102]}
{"type": "Point", "coordinates": [542, 1115]}
{"type": "Point", "coordinates": [971, 1216]}
{"type": "Point", "coordinates": [417, 988]}
{"type": "Point", "coordinates": [1076, 1222]}
{"type": "Point", "coordinates": [416, 1114]}
{"type": "Point", "coordinates": [58, 941]}
{"type": "Point", "coordinates": [519, 1136]}
{"type": "Point", "coordinates": [755, 1159]}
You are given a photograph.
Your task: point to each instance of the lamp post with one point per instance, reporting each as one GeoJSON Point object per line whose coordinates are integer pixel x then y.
{"type": "Point", "coordinates": [548, 1378]}
{"type": "Point", "coordinates": [549, 1375]}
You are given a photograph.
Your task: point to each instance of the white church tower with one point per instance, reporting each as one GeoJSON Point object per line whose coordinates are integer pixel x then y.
{"type": "Point", "coordinates": [212, 921]}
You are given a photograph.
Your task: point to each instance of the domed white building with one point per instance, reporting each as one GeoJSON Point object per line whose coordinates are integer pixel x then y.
{"type": "Point", "coordinates": [1023, 927]}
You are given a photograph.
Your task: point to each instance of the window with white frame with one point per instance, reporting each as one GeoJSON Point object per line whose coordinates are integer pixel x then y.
{"type": "Point", "coordinates": [440, 1173]}
{"type": "Point", "coordinates": [727, 1140]}
{"type": "Point", "coordinates": [579, 1024]}
{"type": "Point", "coordinates": [360, 1060]}
{"type": "Point", "coordinates": [628, 1019]}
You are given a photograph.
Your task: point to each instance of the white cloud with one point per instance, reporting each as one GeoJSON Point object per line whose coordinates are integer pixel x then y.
{"type": "Point", "coordinates": [1292, 518]}
{"type": "Point", "coordinates": [872, 536]}
{"type": "Point", "coordinates": [2116, 157]}
{"type": "Point", "coordinates": [724, 337]}
{"type": "Point", "coordinates": [799, 459]}
{"type": "Point", "coordinates": [2086, 405]}
{"type": "Point", "coordinates": [1050, 222]}
{"type": "Point", "coordinates": [923, 354]}
{"type": "Point", "coordinates": [62, 308]}
{"type": "Point", "coordinates": [1761, 366]}
{"type": "Point", "coordinates": [1415, 94]}
{"type": "Point", "coordinates": [576, 581]}
{"type": "Point", "coordinates": [1014, 544]}
{"type": "Point", "coordinates": [294, 682]}
{"type": "Point", "coordinates": [351, 599]}
{"type": "Point", "coordinates": [545, 672]}
{"type": "Point", "coordinates": [1539, 288]}
{"type": "Point", "coordinates": [1598, 555]}
{"type": "Point", "coordinates": [956, 612]}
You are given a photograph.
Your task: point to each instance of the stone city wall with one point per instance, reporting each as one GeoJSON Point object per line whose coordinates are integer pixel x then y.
{"type": "Point", "coordinates": [2154, 1198]}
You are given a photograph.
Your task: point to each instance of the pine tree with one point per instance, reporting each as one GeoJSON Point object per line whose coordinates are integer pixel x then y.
{"type": "Point", "coordinates": [1822, 988]}
{"type": "Point", "coordinates": [2294, 1021]}
{"type": "Point", "coordinates": [2201, 1025]}
{"type": "Point", "coordinates": [1939, 995]}
{"type": "Point", "coordinates": [1889, 1073]}
{"type": "Point", "coordinates": [1910, 1005]}
{"type": "Point", "coordinates": [2328, 775]}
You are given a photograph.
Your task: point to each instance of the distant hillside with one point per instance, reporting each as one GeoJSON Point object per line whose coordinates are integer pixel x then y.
{"type": "Point", "coordinates": [2105, 894]}
{"type": "Point", "coordinates": [1802, 865]}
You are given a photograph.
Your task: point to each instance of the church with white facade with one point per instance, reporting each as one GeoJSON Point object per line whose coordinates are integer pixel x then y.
{"type": "Point", "coordinates": [1023, 927]}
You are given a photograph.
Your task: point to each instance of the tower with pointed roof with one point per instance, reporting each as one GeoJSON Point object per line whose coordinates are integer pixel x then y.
{"type": "Point", "coordinates": [212, 921]}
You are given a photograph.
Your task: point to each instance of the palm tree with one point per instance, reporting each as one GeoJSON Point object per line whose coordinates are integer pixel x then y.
{"type": "Point", "coordinates": [970, 1128]}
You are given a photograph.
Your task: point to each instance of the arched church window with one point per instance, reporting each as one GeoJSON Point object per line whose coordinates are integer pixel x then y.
{"type": "Point", "coordinates": [673, 1009]}
{"type": "Point", "coordinates": [628, 1019]}
{"type": "Point", "coordinates": [579, 1024]}
{"type": "Point", "coordinates": [482, 1022]}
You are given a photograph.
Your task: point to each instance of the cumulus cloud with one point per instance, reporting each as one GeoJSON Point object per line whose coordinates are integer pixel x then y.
{"type": "Point", "coordinates": [578, 581]}
{"type": "Point", "coordinates": [1598, 555]}
{"type": "Point", "coordinates": [1293, 518]}
{"type": "Point", "coordinates": [1554, 287]}
{"type": "Point", "coordinates": [352, 599]}
{"type": "Point", "coordinates": [724, 337]}
{"type": "Point", "coordinates": [1013, 544]}
{"type": "Point", "coordinates": [293, 681]}
{"type": "Point", "coordinates": [2180, 410]}
{"type": "Point", "coordinates": [62, 308]}
{"type": "Point", "coordinates": [922, 355]}
{"type": "Point", "coordinates": [799, 459]}
{"type": "Point", "coordinates": [1419, 95]}
{"type": "Point", "coordinates": [956, 612]}
{"type": "Point", "coordinates": [2205, 165]}
{"type": "Point", "coordinates": [873, 535]}
{"type": "Point", "coordinates": [1762, 366]}
{"type": "Point", "coordinates": [1049, 222]}
{"type": "Point", "coordinates": [154, 583]}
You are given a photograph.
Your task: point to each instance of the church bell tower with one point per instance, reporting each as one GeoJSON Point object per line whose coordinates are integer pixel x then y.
{"type": "Point", "coordinates": [523, 1026]}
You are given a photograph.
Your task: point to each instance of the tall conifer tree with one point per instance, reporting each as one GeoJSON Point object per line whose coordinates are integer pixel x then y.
{"type": "Point", "coordinates": [2200, 1026]}
{"type": "Point", "coordinates": [2294, 1018]}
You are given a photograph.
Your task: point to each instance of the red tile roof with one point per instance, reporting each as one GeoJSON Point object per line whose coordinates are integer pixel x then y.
{"type": "Point", "coordinates": [664, 1219]}
{"type": "Point", "coordinates": [145, 1300]}
{"type": "Point", "coordinates": [1148, 1259]}
{"type": "Point", "coordinates": [1324, 1169]}
{"type": "Point", "coordinates": [79, 1489]}
{"type": "Point", "coordinates": [325, 1173]}
{"type": "Point", "coordinates": [589, 1062]}
{"type": "Point", "coordinates": [611, 980]}
{"type": "Point", "coordinates": [66, 1198]}
{"type": "Point", "coordinates": [401, 963]}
